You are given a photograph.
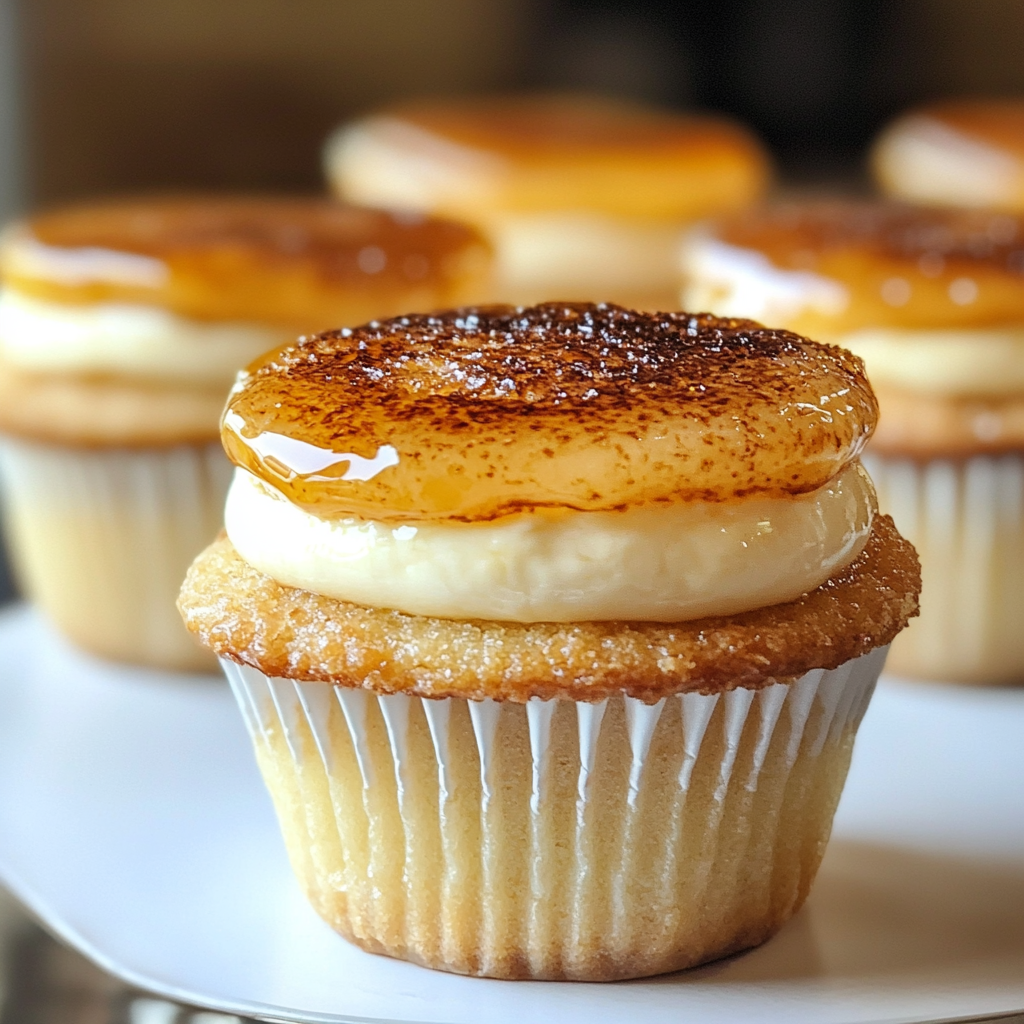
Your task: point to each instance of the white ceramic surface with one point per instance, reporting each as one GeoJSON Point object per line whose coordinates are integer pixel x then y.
{"type": "Point", "coordinates": [133, 821]}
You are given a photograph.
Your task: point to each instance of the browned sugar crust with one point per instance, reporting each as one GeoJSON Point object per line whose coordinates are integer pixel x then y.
{"type": "Point", "coordinates": [96, 412]}
{"type": "Point", "coordinates": [246, 616]}
{"type": "Point", "coordinates": [545, 128]}
{"type": "Point", "coordinates": [493, 410]}
{"type": "Point", "coordinates": [901, 265]}
{"type": "Point", "coordinates": [567, 152]}
{"type": "Point", "coordinates": [303, 264]}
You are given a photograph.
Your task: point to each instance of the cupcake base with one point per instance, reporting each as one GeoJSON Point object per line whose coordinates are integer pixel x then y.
{"type": "Point", "coordinates": [966, 519]}
{"type": "Point", "coordinates": [557, 839]}
{"type": "Point", "coordinates": [101, 538]}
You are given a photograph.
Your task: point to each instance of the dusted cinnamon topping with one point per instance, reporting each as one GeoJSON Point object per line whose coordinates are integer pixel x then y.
{"type": "Point", "coordinates": [298, 263]}
{"type": "Point", "coordinates": [887, 264]}
{"type": "Point", "coordinates": [478, 413]}
{"type": "Point", "coordinates": [552, 152]}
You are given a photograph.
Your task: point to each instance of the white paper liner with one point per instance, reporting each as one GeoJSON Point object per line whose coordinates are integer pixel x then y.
{"type": "Point", "coordinates": [816, 713]}
{"type": "Point", "coordinates": [101, 540]}
{"type": "Point", "coordinates": [966, 519]}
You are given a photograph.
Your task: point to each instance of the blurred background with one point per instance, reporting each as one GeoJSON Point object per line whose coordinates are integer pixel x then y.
{"type": "Point", "coordinates": [101, 96]}
{"type": "Point", "coordinates": [107, 96]}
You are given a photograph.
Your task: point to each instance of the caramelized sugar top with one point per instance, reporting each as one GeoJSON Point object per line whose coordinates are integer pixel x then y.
{"type": "Point", "coordinates": [539, 127]}
{"type": "Point", "coordinates": [1000, 123]}
{"type": "Point", "coordinates": [303, 264]}
{"type": "Point", "coordinates": [575, 151]}
{"type": "Point", "coordinates": [901, 266]}
{"type": "Point", "coordinates": [477, 413]}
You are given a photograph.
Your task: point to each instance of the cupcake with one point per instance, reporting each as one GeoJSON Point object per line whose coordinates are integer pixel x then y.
{"type": "Point", "coordinates": [933, 300]}
{"type": "Point", "coordinates": [581, 196]}
{"type": "Point", "coordinates": [553, 627]}
{"type": "Point", "coordinates": [956, 153]}
{"type": "Point", "coordinates": [122, 326]}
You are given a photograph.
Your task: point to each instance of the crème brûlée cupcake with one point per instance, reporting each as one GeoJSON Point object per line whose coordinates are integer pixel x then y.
{"type": "Point", "coordinates": [122, 327]}
{"type": "Point", "coordinates": [967, 152]}
{"type": "Point", "coordinates": [933, 300]}
{"type": "Point", "coordinates": [583, 197]}
{"type": "Point", "coordinates": [553, 627]}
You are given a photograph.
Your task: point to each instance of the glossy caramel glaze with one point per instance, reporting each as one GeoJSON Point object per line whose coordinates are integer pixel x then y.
{"type": "Point", "coordinates": [901, 266]}
{"type": "Point", "coordinates": [997, 123]}
{"type": "Point", "coordinates": [482, 412]}
{"type": "Point", "coordinates": [572, 152]}
{"type": "Point", "coordinates": [303, 264]}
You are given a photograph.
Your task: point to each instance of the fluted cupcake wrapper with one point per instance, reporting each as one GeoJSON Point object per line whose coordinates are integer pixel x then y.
{"type": "Point", "coordinates": [557, 839]}
{"type": "Point", "coordinates": [101, 540]}
{"type": "Point", "coordinates": [965, 517]}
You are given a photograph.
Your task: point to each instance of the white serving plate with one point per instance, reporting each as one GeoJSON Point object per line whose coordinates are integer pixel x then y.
{"type": "Point", "coordinates": [134, 823]}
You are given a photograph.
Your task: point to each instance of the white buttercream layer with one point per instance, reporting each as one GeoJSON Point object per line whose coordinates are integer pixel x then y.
{"type": "Point", "coordinates": [658, 564]}
{"type": "Point", "coordinates": [126, 340]}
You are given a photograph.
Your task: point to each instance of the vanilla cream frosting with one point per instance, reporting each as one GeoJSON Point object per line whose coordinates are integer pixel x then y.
{"type": "Point", "coordinates": [126, 340]}
{"type": "Point", "coordinates": [659, 563]}
{"type": "Point", "coordinates": [962, 362]}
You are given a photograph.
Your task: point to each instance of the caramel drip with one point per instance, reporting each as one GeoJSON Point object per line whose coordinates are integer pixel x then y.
{"type": "Point", "coordinates": [481, 412]}
{"type": "Point", "coordinates": [999, 123]}
{"type": "Point", "coordinates": [303, 264]}
{"type": "Point", "coordinates": [901, 266]}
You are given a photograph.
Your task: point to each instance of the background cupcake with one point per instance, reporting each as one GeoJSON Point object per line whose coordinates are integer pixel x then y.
{"type": "Point", "coordinates": [582, 197]}
{"type": "Point", "coordinates": [967, 152]}
{"type": "Point", "coordinates": [933, 301]}
{"type": "Point", "coordinates": [122, 326]}
{"type": "Point", "coordinates": [556, 671]}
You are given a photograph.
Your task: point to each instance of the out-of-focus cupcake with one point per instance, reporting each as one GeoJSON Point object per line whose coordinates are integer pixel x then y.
{"type": "Point", "coordinates": [933, 300]}
{"type": "Point", "coordinates": [583, 197]}
{"type": "Point", "coordinates": [958, 153]}
{"type": "Point", "coordinates": [122, 326]}
{"type": "Point", "coordinates": [556, 672]}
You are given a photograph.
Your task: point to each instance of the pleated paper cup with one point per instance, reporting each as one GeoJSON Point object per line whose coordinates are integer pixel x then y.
{"type": "Point", "coordinates": [966, 519]}
{"type": "Point", "coordinates": [557, 839]}
{"type": "Point", "coordinates": [101, 539]}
